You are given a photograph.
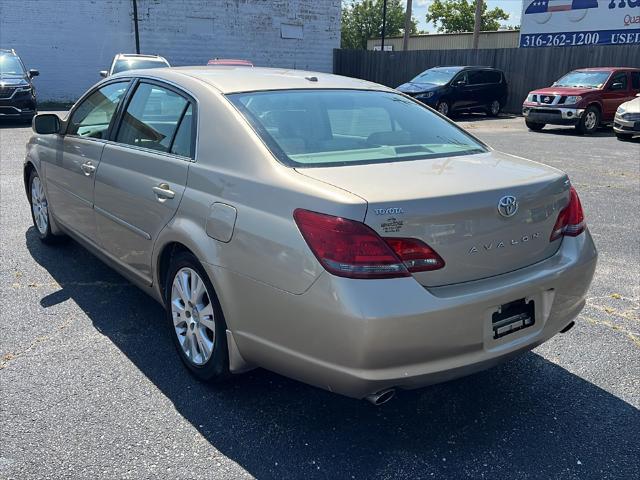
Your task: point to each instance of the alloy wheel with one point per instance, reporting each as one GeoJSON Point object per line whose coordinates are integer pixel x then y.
{"type": "Point", "coordinates": [39, 206]}
{"type": "Point", "coordinates": [495, 107]}
{"type": "Point", "coordinates": [443, 108]}
{"type": "Point", "coordinates": [193, 316]}
{"type": "Point", "coordinates": [590, 120]}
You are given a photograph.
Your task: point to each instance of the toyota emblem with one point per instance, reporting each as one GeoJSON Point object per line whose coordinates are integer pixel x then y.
{"type": "Point", "coordinates": [508, 206]}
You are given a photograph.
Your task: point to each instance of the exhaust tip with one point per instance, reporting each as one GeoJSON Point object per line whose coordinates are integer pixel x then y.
{"type": "Point", "coordinates": [383, 396]}
{"type": "Point", "coordinates": [568, 327]}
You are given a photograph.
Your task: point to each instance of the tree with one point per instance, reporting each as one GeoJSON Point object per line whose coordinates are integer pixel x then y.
{"type": "Point", "coordinates": [362, 20]}
{"type": "Point", "coordinates": [452, 16]}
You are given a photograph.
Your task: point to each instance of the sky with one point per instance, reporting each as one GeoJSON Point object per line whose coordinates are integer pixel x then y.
{"type": "Point", "coordinates": [512, 7]}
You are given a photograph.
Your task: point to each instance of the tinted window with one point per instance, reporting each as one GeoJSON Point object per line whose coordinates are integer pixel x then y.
{"type": "Point", "coordinates": [493, 76]}
{"type": "Point", "coordinates": [341, 127]}
{"type": "Point", "coordinates": [183, 143]}
{"type": "Point", "coordinates": [477, 77]}
{"type": "Point", "coordinates": [137, 63]}
{"type": "Point", "coordinates": [152, 118]}
{"type": "Point", "coordinates": [619, 78]}
{"type": "Point", "coordinates": [93, 115]}
{"type": "Point", "coordinates": [635, 80]}
{"type": "Point", "coordinates": [10, 65]}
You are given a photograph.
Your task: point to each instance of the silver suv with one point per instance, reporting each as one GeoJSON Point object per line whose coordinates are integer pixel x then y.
{"type": "Point", "coordinates": [326, 228]}
{"type": "Point", "coordinates": [132, 61]}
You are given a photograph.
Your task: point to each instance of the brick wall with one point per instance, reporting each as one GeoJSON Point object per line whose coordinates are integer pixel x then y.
{"type": "Point", "coordinates": [70, 41]}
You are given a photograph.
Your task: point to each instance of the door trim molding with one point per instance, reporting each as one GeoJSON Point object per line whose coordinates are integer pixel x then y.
{"type": "Point", "coordinates": [123, 223]}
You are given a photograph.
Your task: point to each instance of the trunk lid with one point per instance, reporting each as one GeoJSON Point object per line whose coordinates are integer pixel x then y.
{"type": "Point", "coordinates": [452, 205]}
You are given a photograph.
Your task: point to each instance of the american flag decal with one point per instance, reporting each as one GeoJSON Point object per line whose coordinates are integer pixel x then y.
{"type": "Point", "coordinates": [544, 6]}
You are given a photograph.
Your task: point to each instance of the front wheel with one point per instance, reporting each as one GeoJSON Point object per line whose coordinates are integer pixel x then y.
{"type": "Point", "coordinates": [536, 127]}
{"type": "Point", "coordinates": [40, 209]}
{"type": "Point", "coordinates": [443, 107]}
{"type": "Point", "coordinates": [195, 319]}
{"type": "Point", "coordinates": [589, 122]}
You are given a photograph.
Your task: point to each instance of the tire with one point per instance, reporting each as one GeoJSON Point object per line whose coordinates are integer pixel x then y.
{"type": "Point", "coordinates": [198, 317]}
{"type": "Point", "coordinates": [493, 109]}
{"type": "Point", "coordinates": [624, 136]}
{"type": "Point", "coordinates": [536, 127]}
{"type": "Point", "coordinates": [589, 121]}
{"type": "Point", "coordinates": [40, 210]}
{"type": "Point", "coordinates": [443, 107]}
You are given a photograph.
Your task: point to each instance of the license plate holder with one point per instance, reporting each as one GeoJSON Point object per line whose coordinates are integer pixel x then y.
{"type": "Point", "coordinates": [512, 317]}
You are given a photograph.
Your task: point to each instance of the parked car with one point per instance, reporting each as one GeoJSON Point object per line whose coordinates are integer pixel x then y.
{"type": "Point", "coordinates": [458, 89]}
{"type": "Point", "coordinates": [230, 62]}
{"type": "Point", "coordinates": [315, 231]}
{"type": "Point", "coordinates": [17, 92]}
{"type": "Point", "coordinates": [585, 98]}
{"type": "Point", "coordinates": [627, 120]}
{"type": "Point", "coordinates": [133, 61]}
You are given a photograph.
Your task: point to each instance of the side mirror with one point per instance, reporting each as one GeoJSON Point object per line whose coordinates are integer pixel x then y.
{"type": "Point", "coordinates": [103, 73]}
{"type": "Point", "coordinates": [460, 83]}
{"type": "Point", "coordinates": [33, 73]}
{"type": "Point", "coordinates": [617, 86]}
{"type": "Point", "coordinates": [46, 123]}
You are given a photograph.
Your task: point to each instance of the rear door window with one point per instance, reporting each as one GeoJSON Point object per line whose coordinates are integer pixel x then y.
{"type": "Point", "coordinates": [478, 77]}
{"type": "Point", "coordinates": [152, 119]}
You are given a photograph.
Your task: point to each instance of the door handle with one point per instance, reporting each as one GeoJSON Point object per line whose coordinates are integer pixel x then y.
{"type": "Point", "coordinates": [163, 191]}
{"type": "Point", "coordinates": [88, 168]}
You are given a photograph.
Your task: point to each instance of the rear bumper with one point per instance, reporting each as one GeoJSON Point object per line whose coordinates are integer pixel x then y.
{"type": "Point", "coordinates": [552, 115]}
{"type": "Point", "coordinates": [357, 337]}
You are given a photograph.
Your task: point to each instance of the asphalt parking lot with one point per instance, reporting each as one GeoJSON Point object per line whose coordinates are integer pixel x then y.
{"type": "Point", "coordinates": [90, 385]}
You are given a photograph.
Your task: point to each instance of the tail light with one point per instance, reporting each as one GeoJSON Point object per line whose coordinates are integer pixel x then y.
{"type": "Point", "coordinates": [351, 249]}
{"type": "Point", "coordinates": [571, 219]}
{"type": "Point", "coordinates": [416, 255]}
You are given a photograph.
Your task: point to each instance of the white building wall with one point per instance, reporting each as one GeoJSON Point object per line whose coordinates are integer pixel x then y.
{"type": "Point", "coordinates": [69, 41]}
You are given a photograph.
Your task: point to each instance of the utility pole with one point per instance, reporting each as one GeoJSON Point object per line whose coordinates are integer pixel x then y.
{"type": "Point", "coordinates": [384, 23]}
{"type": "Point", "coordinates": [407, 27]}
{"type": "Point", "coordinates": [477, 23]}
{"type": "Point", "coordinates": [135, 25]}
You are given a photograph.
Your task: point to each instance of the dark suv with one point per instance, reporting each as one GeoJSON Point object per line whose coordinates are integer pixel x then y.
{"type": "Point", "coordinates": [455, 89]}
{"type": "Point", "coordinates": [17, 94]}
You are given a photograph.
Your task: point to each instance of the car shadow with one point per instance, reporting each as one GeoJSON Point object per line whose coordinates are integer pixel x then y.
{"type": "Point", "coordinates": [570, 131]}
{"type": "Point", "coordinates": [479, 117]}
{"type": "Point", "coordinates": [529, 418]}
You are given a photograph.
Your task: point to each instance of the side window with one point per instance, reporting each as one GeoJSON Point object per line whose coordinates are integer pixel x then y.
{"type": "Point", "coordinates": [619, 78]}
{"type": "Point", "coordinates": [493, 76]}
{"type": "Point", "coordinates": [477, 77]}
{"type": "Point", "coordinates": [635, 80]}
{"type": "Point", "coordinates": [152, 117]}
{"type": "Point", "coordinates": [183, 143]}
{"type": "Point", "coordinates": [94, 114]}
{"type": "Point", "coordinates": [461, 77]}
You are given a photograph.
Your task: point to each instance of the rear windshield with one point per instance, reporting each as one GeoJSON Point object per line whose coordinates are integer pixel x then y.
{"type": "Point", "coordinates": [312, 128]}
{"type": "Point", "coordinates": [583, 79]}
{"type": "Point", "coordinates": [136, 63]}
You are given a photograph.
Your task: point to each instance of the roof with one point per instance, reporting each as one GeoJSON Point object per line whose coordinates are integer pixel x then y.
{"type": "Point", "coordinates": [231, 79]}
{"type": "Point", "coordinates": [605, 69]}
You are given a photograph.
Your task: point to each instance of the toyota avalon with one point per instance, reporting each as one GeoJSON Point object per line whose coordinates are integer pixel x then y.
{"type": "Point", "coordinates": [326, 228]}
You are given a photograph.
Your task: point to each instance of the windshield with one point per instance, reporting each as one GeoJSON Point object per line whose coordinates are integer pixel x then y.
{"type": "Point", "coordinates": [583, 79]}
{"type": "Point", "coordinates": [437, 76]}
{"type": "Point", "coordinates": [137, 63]}
{"type": "Point", "coordinates": [10, 65]}
{"type": "Point", "coordinates": [345, 127]}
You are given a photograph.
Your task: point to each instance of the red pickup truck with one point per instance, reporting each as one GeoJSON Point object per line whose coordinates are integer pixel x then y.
{"type": "Point", "coordinates": [585, 98]}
